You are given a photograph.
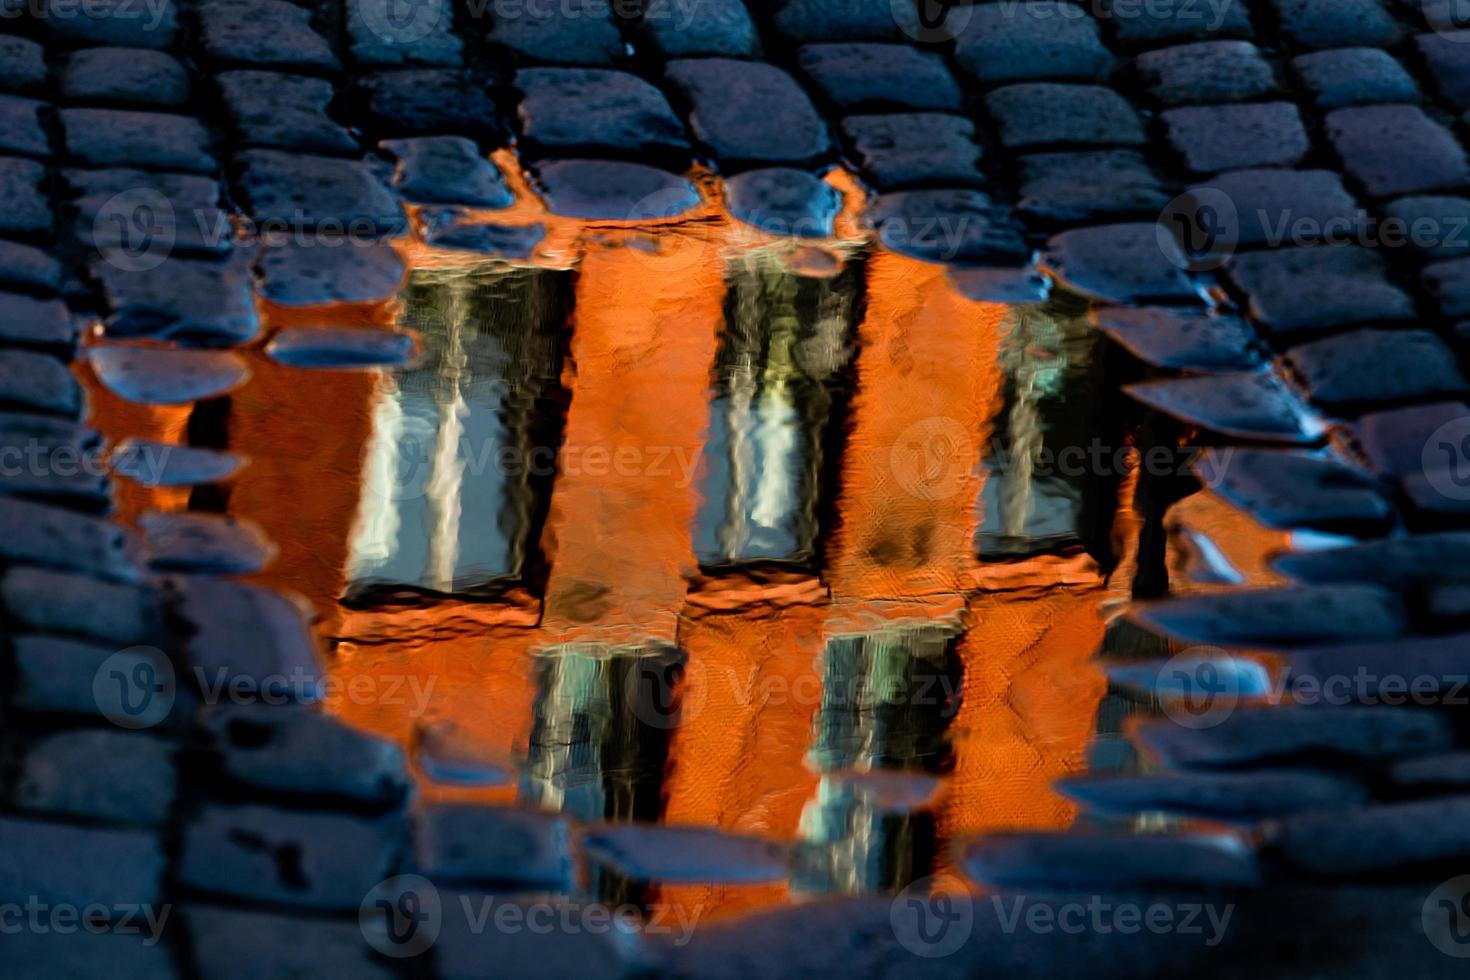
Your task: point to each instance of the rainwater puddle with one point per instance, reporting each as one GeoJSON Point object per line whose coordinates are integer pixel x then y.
{"type": "Point", "coordinates": [675, 525]}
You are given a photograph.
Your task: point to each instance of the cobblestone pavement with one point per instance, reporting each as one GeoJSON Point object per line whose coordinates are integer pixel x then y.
{"type": "Point", "coordinates": [1262, 199]}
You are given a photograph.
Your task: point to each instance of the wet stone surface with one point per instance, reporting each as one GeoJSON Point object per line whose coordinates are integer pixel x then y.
{"type": "Point", "coordinates": [1018, 154]}
{"type": "Point", "coordinates": [125, 77]}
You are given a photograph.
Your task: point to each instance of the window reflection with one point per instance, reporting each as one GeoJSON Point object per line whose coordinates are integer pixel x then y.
{"type": "Point", "coordinates": [463, 440]}
{"type": "Point", "coordinates": [1043, 459]}
{"type": "Point", "coordinates": [888, 701]}
{"type": "Point", "coordinates": [776, 383]}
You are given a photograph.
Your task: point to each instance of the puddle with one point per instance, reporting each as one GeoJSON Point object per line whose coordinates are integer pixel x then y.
{"type": "Point", "coordinates": [673, 524]}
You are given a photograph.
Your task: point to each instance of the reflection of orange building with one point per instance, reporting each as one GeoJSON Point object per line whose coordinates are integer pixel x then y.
{"type": "Point", "coordinates": [619, 552]}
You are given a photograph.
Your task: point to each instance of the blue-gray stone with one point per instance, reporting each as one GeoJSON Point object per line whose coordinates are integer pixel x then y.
{"type": "Point", "coordinates": [296, 193]}
{"type": "Point", "coordinates": [1245, 796]}
{"type": "Point", "coordinates": [262, 34]}
{"type": "Point", "coordinates": [1248, 405]}
{"type": "Point", "coordinates": [1210, 139]}
{"type": "Point", "coordinates": [1182, 339]}
{"type": "Point", "coordinates": [1207, 71]}
{"type": "Point", "coordinates": [50, 601]}
{"type": "Point", "coordinates": [1123, 263]}
{"type": "Point", "coordinates": [249, 639]}
{"type": "Point", "coordinates": [1034, 115]}
{"type": "Point", "coordinates": [447, 170]}
{"type": "Point", "coordinates": [1294, 291]}
{"type": "Point", "coordinates": [24, 209]}
{"type": "Point", "coordinates": [1065, 189]}
{"type": "Point", "coordinates": [1060, 861]}
{"type": "Point", "coordinates": [1279, 617]}
{"type": "Point", "coordinates": [783, 201]}
{"type": "Point", "coordinates": [1425, 836]}
{"type": "Point", "coordinates": [64, 864]}
{"type": "Point", "coordinates": [612, 190]}
{"type": "Point", "coordinates": [573, 112]}
{"type": "Point", "coordinates": [21, 128]}
{"type": "Point", "coordinates": [35, 382]}
{"type": "Point", "coordinates": [336, 269]}
{"type": "Point", "coordinates": [921, 149]}
{"type": "Point", "coordinates": [341, 347]}
{"type": "Point", "coordinates": [749, 113]}
{"type": "Point", "coordinates": [289, 112]}
{"type": "Point", "coordinates": [38, 534]}
{"type": "Point", "coordinates": [305, 753]}
{"type": "Point", "coordinates": [685, 855]}
{"type": "Point", "coordinates": [125, 77]}
{"type": "Point", "coordinates": [952, 226]}
{"type": "Point", "coordinates": [199, 542]}
{"type": "Point", "coordinates": [103, 774]}
{"type": "Point", "coordinates": [45, 325]}
{"type": "Point", "coordinates": [880, 77]}
{"type": "Point", "coordinates": [165, 464]}
{"type": "Point", "coordinates": [1373, 368]}
{"type": "Point", "coordinates": [501, 847]}
{"type": "Point", "coordinates": [1355, 76]}
{"type": "Point", "coordinates": [287, 857]}
{"type": "Point", "coordinates": [161, 376]}
{"type": "Point", "coordinates": [133, 138]}
{"type": "Point", "coordinates": [1287, 490]}
{"type": "Point", "coordinates": [1397, 149]}
{"type": "Point", "coordinates": [1250, 737]}
{"type": "Point", "coordinates": [179, 299]}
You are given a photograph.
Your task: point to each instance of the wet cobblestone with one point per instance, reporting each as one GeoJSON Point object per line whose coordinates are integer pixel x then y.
{"type": "Point", "coordinates": [1043, 132]}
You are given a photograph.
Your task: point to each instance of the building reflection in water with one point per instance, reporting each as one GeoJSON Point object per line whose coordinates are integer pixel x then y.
{"type": "Point", "coordinates": [888, 700]}
{"type": "Point", "coordinates": [777, 378]}
{"type": "Point", "coordinates": [462, 438]}
{"type": "Point", "coordinates": [1040, 460]}
{"type": "Point", "coordinates": [599, 743]}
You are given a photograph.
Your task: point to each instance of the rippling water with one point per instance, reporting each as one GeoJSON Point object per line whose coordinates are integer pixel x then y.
{"type": "Point", "coordinates": [678, 524]}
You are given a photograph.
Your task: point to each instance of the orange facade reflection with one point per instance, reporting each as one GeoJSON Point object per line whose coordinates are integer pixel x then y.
{"type": "Point", "coordinates": [616, 542]}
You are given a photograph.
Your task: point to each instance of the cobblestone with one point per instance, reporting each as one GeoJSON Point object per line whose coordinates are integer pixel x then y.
{"type": "Point", "coordinates": [1094, 116]}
